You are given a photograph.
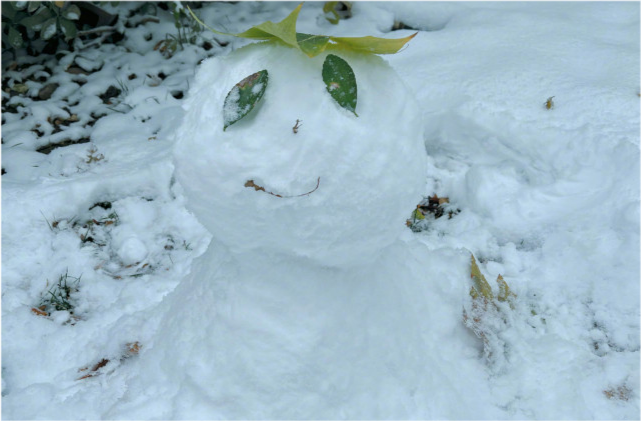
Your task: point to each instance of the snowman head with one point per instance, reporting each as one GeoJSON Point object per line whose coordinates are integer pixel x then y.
{"type": "Point", "coordinates": [346, 183]}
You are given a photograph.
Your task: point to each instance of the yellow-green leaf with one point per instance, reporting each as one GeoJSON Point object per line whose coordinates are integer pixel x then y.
{"type": "Point", "coordinates": [312, 45]}
{"type": "Point", "coordinates": [329, 7]}
{"type": "Point", "coordinates": [20, 88]}
{"type": "Point", "coordinates": [417, 214]}
{"type": "Point", "coordinates": [480, 284]}
{"type": "Point", "coordinates": [284, 30]}
{"type": "Point", "coordinates": [504, 290]}
{"type": "Point", "coordinates": [372, 45]}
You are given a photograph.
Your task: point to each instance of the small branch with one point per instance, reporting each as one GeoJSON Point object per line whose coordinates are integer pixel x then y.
{"type": "Point", "coordinates": [296, 126]}
{"type": "Point", "coordinates": [250, 183]}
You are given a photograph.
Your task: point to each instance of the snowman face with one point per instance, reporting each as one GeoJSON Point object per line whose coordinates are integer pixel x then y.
{"type": "Point", "coordinates": [346, 183]}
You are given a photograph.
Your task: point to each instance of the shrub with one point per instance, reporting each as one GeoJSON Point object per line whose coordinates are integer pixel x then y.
{"type": "Point", "coordinates": [25, 22]}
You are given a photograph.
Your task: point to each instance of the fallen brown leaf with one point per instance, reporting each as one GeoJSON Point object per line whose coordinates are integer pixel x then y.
{"type": "Point", "coordinates": [39, 312]}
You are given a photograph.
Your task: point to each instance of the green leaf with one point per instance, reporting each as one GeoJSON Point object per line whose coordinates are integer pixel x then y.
{"type": "Point", "coordinates": [30, 22]}
{"type": "Point", "coordinates": [68, 28]}
{"type": "Point", "coordinates": [329, 7]}
{"type": "Point", "coordinates": [71, 12]}
{"type": "Point", "coordinates": [20, 5]}
{"type": "Point", "coordinates": [243, 97]}
{"type": "Point", "coordinates": [312, 45]}
{"type": "Point", "coordinates": [33, 6]}
{"type": "Point", "coordinates": [341, 82]}
{"type": "Point", "coordinates": [49, 29]}
{"type": "Point", "coordinates": [45, 12]}
{"type": "Point", "coordinates": [33, 22]}
{"type": "Point", "coordinates": [14, 37]}
{"type": "Point", "coordinates": [9, 10]}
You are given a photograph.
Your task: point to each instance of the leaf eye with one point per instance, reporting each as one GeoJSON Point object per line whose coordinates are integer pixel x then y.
{"type": "Point", "coordinates": [243, 97]}
{"type": "Point", "coordinates": [341, 82]}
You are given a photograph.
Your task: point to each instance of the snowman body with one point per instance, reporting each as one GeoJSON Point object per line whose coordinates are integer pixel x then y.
{"type": "Point", "coordinates": [316, 306]}
{"type": "Point", "coordinates": [257, 336]}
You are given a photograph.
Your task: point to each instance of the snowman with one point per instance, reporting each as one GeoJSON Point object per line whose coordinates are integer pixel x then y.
{"type": "Point", "coordinates": [313, 300]}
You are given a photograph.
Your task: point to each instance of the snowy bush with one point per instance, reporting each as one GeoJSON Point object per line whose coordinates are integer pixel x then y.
{"type": "Point", "coordinates": [24, 22]}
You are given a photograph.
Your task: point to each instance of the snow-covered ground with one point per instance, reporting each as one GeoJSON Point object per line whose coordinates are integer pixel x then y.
{"type": "Point", "coordinates": [281, 317]}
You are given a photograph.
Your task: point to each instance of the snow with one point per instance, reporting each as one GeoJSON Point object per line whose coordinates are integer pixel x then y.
{"type": "Point", "coordinates": [247, 305]}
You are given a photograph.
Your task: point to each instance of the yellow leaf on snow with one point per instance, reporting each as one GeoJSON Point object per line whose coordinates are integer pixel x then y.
{"type": "Point", "coordinates": [504, 290]}
{"type": "Point", "coordinates": [480, 284]}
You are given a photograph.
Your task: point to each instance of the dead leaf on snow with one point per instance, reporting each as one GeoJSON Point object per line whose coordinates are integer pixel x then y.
{"type": "Point", "coordinates": [40, 311]}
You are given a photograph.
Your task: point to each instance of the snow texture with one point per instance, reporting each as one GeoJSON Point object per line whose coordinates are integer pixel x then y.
{"type": "Point", "coordinates": [245, 305]}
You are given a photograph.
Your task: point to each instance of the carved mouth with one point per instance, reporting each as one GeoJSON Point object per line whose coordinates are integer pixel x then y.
{"type": "Point", "coordinates": [250, 183]}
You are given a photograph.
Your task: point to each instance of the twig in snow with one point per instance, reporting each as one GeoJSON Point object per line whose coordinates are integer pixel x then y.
{"type": "Point", "coordinates": [297, 126]}
{"type": "Point", "coordinates": [250, 183]}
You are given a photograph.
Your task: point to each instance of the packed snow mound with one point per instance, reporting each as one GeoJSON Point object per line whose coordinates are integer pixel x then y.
{"type": "Point", "coordinates": [370, 169]}
{"type": "Point", "coordinates": [245, 337]}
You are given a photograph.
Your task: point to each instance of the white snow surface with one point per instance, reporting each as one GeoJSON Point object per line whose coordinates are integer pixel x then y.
{"type": "Point", "coordinates": [250, 306]}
